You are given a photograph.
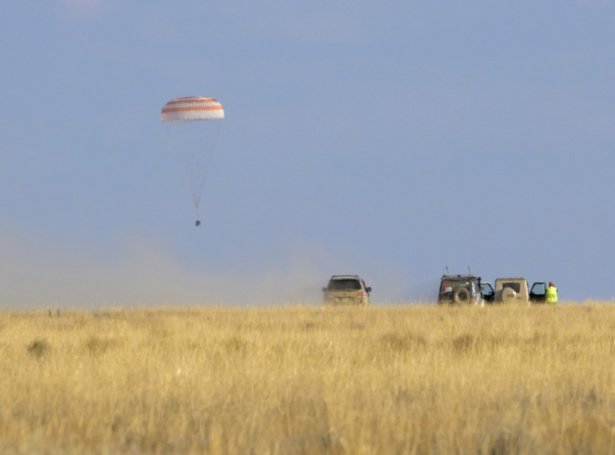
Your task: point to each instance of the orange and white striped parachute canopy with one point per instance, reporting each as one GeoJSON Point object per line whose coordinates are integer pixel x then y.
{"type": "Point", "coordinates": [191, 108]}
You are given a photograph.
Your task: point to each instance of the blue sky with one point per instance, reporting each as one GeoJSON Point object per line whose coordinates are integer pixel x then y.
{"type": "Point", "coordinates": [389, 139]}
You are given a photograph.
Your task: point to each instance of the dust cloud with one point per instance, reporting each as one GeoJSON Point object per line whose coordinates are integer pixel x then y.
{"type": "Point", "coordinates": [35, 274]}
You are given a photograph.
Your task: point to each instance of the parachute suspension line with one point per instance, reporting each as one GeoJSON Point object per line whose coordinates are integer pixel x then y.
{"type": "Point", "coordinates": [197, 223]}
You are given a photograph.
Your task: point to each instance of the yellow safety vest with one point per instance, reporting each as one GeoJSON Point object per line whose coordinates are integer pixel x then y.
{"type": "Point", "coordinates": [551, 295]}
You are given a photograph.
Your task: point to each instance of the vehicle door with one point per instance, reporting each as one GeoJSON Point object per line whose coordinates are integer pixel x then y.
{"type": "Point", "coordinates": [488, 292]}
{"type": "Point", "coordinates": [538, 292]}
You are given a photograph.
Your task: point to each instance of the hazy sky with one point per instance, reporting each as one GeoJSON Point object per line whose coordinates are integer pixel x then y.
{"type": "Point", "coordinates": [388, 138]}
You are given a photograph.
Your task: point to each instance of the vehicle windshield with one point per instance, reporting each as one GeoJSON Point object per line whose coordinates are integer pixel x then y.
{"type": "Point", "coordinates": [344, 285]}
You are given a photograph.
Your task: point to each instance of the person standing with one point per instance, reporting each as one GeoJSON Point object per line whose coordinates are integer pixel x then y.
{"type": "Point", "coordinates": [551, 295]}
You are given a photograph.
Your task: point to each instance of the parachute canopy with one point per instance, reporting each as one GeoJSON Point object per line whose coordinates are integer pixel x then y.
{"type": "Point", "coordinates": [191, 108]}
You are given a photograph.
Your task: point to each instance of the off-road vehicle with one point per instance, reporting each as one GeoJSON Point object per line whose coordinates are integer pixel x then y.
{"type": "Point", "coordinates": [346, 290]}
{"type": "Point", "coordinates": [460, 289]}
{"type": "Point", "coordinates": [516, 290]}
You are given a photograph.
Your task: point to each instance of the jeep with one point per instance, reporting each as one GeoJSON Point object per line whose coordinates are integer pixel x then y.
{"type": "Point", "coordinates": [460, 289]}
{"type": "Point", "coordinates": [346, 290]}
{"type": "Point", "coordinates": [509, 290]}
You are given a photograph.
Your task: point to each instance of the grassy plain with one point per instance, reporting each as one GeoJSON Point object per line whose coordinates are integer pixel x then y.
{"type": "Point", "coordinates": [403, 379]}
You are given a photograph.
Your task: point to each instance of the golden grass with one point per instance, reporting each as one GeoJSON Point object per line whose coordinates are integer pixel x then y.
{"type": "Point", "coordinates": [411, 379]}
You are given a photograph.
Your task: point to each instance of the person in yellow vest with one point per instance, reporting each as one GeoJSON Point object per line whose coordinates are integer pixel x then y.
{"type": "Point", "coordinates": [551, 295]}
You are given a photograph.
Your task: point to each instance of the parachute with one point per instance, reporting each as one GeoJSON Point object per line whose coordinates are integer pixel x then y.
{"type": "Point", "coordinates": [193, 126]}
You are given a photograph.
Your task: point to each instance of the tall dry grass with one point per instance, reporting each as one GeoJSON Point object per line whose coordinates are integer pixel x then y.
{"type": "Point", "coordinates": [411, 379]}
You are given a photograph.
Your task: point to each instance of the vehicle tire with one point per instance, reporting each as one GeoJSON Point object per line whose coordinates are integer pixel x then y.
{"type": "Point", "coordinates": [508, 295]}
{"type": "Point", "coordinates": [461, 295]}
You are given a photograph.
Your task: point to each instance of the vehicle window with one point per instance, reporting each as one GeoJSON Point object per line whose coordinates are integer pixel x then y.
{"type": "Point", "coordinates": [539, 288]}
{"type": "Point", "coordinates": [446, 286]}
{"type": "Point", "coordinates": [514, 286]}
{"type": "Point", "coordinates": [486, 289]}
{"type": "Point", "coordinates": [344, 285]}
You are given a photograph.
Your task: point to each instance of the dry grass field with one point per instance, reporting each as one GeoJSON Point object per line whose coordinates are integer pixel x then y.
{"type": "Point", "coordinates": [376, 380]}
